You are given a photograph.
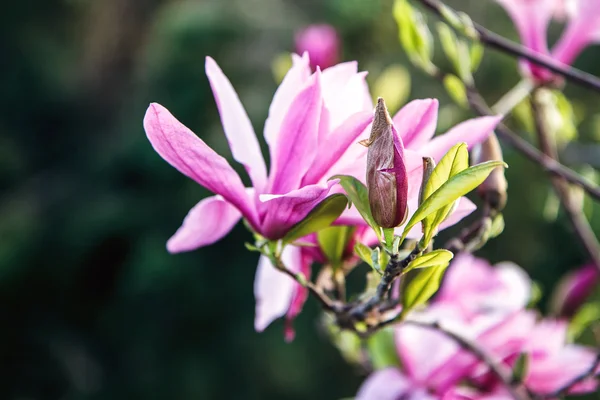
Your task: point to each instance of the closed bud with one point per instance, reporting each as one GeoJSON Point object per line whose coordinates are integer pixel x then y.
{"type": "Point", "coordinates": [428, 167]}
{"type": "Point", "coordinates": [387, 181]}
{"type": "Point", "coordinates": [573, 290]}
{"type": "Point", "coordinates": [493, 189]}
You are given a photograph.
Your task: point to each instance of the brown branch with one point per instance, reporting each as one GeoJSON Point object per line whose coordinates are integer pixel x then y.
{"type": "Point", "coordinates": [500, 370]}
{"type": "Point", "coordinates": [580, 224]}
{"type": "Point", "coordinates": [550, 165]}
{"type": "Point", "coordinates": [495, 41]}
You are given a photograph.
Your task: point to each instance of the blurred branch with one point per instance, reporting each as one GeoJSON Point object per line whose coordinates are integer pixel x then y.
{"type": "Point", "coordinates": [503, 373]}
{"type": "Point", "coordinates": [549, 164]}
{"type": "Point", "coordinates": [561, 186]}
{"type": "Point", "coordinates": [495, 41]}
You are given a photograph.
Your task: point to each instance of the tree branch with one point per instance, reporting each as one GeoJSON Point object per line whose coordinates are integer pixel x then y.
{"type": "Point", "coordinates": [561, 186]}
{"type": "Point", "coordinates": [500, 370]}
{"type": "Point", "coordinates": [495, 41]}
{"type": "Point", "coordinates": [550, 165]}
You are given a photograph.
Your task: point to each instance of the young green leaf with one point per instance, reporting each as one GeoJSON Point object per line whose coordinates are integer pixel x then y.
{"type": "Point", "coordinates": [456, 89]}
{"type": "Point", "coordinates": [431, 259]}
{"type": "Point", "coordinates": [454, 161]}
{"type": "Point", "coordinates": [382, 349]}
{"type": "Point", "coordinates": [320, 217]}
{"type": "Point", "coordinates": [423, 286]}
{"type": "Point", "coordinates": [588, 314]}
{"type": "Point", "coordinates": [333, 241]}
{"type": "Point", "coordinates": [364, 252]}
{"type": "Point", "coordinates": [388, 235]}
{"type": "Point", "coordinates": [457, 186]}
{"type": "Point", "coordinates": [449, 40]}
{"type": "Point", "coordinates": [358, 195]}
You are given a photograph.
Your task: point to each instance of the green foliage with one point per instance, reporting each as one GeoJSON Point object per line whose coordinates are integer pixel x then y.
{"type": "Point", "coordinates": [431, 259]}
{"type": "Point", "coordinates": [457, 186]}
{"type": "Point", "coordinates": [382, 349]}
{"type": "Point", "coordinates": [454, 161]}
{"type": "Point", "coordinates": [588, 314]}
{"type": "Point", "coordinates": [358, 195]}
{"type": "Point", "coordinates": [414, 34]}
{"type": "Point", "coordinates": [364, 252]}
{"type": "Point", "coordinates": [333, 242]}
{"type": "Point", "coordinates": [319, 218]}
{"type": "Point", "coordinates": [456, 89]}
{"type": "Point", "coordinates": [423, 286]}
{"type": "Point", "coordinates": [519, 370]}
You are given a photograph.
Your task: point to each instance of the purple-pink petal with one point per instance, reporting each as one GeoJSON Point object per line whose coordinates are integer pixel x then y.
{"type": "Point", "coordinates": [416, 122]}
{"type": "Point", "coordinates": [386, 384]}
{"type": "Point", "coordinates": [298, 139]}
{"type": "Point", "coordinates": [273, 289]}
{"type": "Point", "coordinates": [181, 148]}
{"type": "Point", "coordinates": [208, 221]}
{"type": "Point", "coordinates": [236, 124]}
{"type": "Point", "coordinates": [472, 132]}
{"type": "Point", "coordinates": [335, 145]}
{"type": "Point", "coordinates": [285, 210]}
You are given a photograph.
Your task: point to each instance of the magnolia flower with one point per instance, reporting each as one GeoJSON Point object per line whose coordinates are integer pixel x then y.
{"type": "Point", "coordinates": [484, 306]}
{"type": "Point", "coordinates": [415, 126]}
{"type": "Point", "coordinates": [307, 131]}
{"type": "Point", "coordinates": [322, 44]}
{"type": "Point", "coordinates": [573, 290]}
{"type": "Point", "coordinates": [532, 17]}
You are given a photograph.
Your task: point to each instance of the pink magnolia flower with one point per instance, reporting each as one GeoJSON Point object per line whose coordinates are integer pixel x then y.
{"type": "Point", "coordinates": [433, 366]}
{"type": "Point", "coordinates": [322, 44]}
{"type": "Point", "coordinates": [532, 17]}
{"type": "Point", "coordinates": [573, 290]}
{"type": "Point", "coordinates": [415, 125]}
{"type": "Point", "coordinates": [307, 131]}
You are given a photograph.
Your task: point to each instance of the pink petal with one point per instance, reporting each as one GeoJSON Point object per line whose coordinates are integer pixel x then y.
{"type": "Point", "coordinates": [344, 92]}
{"type": "Point", "coordinates": [207, 222]}
{"type": "Point", "coordinates": [273, 289]}
{"type": "Point", "coordinates": [582, 30]}
{"type": "Point", "coordinates": [181, 148]}
{"type": "Point", "coordinates": [386, 384]}
{"type": "Point", "coordinates": [236, 124]}
{"type": "Point", "coordinates": [300, 295]}
{"type": "Point", "coordinates": [284, 211]}
{"type": "Point", "coordinates": [416, 122]}
{"type": "Point", "coordinates": [291, 85]}
{"type": "Point", "coordinates": [472, 132]}
{"type": "Point", "coordinates": [333, 147]}
{"type": "Point", "coordinates": [296, 146]}
{"type": "Point", "coordinates": [548, 374]}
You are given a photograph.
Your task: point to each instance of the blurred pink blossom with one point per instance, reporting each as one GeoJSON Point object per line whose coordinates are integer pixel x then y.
{"type": "Point", "coordinates": [532, 17]}
{"type": "Point", "coordinates": [322, 44]}
{"type": "Point", "coordinates": [485, 305]}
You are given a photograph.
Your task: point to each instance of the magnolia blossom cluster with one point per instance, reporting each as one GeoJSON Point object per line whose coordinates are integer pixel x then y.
{"type": "Point", "coordinates": [486, 305]}
{"type": "Point", "coordinates": [315, 122]}
{"type": "Point", "coordinates": [532, 18]}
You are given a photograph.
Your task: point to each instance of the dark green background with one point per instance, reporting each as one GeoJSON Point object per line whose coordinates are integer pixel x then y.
{"type": "Point", "coordinates": [91, 304]}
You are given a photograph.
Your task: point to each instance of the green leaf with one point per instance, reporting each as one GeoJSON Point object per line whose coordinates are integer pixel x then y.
{"type": "Point", "coordinates": [456, 89]}
{"type": "Point", "coordinates": [585, 316]}
{"type": "Point", "coordinates": [457, 186]}
{"type": "Point", "coordinates": [476, 53]}
{"type": "Point", "coordinates": [358, 195]}
{"type": "Point", "coordinates": [431, 259]}
{"type": "Point", "coordinates": [423, 286]}
{"type": "Point", "coordinates": [320, 217]}
{"type": "Point", "coordinates": [382, 349]}
{"type": "Point", "coordinates": [520, 368]}
{"type": "Point", "coordinates": [448, 41]}
{"type": "Point", "coordinates": [379, 259]}
{"type": "Point", "coordinates": [388, 235]}
{"type": "Point", "coordinates": [414, 34]}
{"type": "Point", "coordinates": [333, 241]}
{"type": "Point", "coordinates": [497, 226]}
{"type": "Point", "coordinates": [364, 252]}
{"type": "Point", "coordinates": [454, 161]}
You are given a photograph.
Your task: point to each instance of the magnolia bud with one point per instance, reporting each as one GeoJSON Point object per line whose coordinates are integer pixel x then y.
{"type": "Point", "coordinates": [493, 189]}
{"type": "Point", "coordinates": [322, 44]}
{"type": "Point", "coordinates": [428, 167]}
{"type": "Point", "coordinates": [573, 290]}
{"type": "Point", "coordinates": [387, 181]}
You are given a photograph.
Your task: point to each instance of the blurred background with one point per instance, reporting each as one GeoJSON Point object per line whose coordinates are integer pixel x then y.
{"type": "Point", "coordinates": [91, 304]}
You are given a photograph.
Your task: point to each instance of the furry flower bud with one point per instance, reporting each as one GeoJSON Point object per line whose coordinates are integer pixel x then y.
{"type": "Point", "coordinates": [387, 180]}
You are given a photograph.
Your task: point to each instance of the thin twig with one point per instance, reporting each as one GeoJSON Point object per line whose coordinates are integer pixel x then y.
{"type": "Point", "coordinates": [493, 40]}
{"type": "Point", "coordinates": [550, 165]}
{"type": "Point", "coordinates": [500, 370]}
{"type": "Point", "coordinates": [580, 224]}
